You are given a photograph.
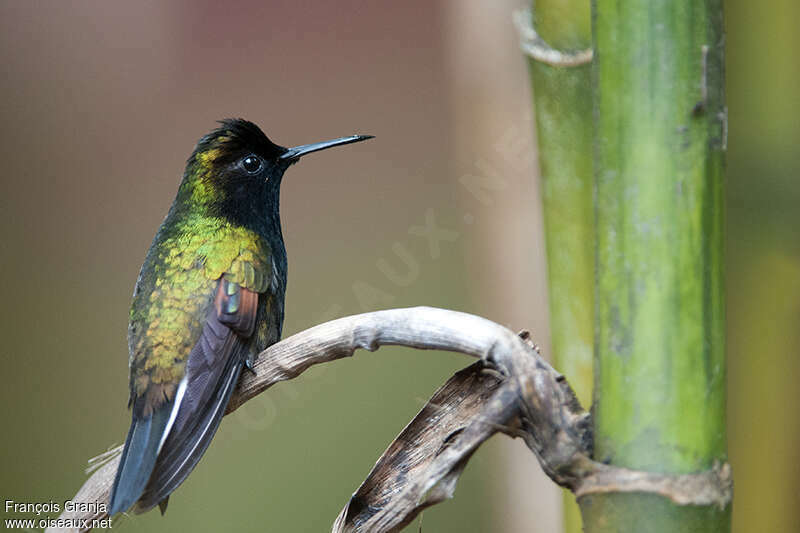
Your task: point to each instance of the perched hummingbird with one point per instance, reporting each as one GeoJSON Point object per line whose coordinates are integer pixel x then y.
{"type": "Point", "coordinates": [208, 299]}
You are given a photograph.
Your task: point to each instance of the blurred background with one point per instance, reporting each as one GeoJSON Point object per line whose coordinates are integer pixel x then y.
{"type": "Point", "coordinates": [102, 103]}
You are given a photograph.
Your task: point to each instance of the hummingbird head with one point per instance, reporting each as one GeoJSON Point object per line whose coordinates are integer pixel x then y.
{"type": "Point", "coordinates": [235, 171]}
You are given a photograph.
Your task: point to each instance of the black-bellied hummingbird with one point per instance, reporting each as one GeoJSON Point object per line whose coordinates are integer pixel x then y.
{"type": "Point", "coordinates": [208, 299]}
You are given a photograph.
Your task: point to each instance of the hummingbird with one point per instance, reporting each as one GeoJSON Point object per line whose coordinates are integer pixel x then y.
{"type": "Point", "coordinates": [209, 298]}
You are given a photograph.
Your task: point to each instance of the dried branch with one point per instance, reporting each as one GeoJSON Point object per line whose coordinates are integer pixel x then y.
{"type": "Point", "coordinates": [421, 467]}
{"type": "Point", "coordinates": [512, 390]}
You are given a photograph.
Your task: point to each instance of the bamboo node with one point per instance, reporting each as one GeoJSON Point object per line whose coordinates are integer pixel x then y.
{"type": "Point", "coordinates": [535, 47]}
{"type": "Point", "coordinates": [709, 487]}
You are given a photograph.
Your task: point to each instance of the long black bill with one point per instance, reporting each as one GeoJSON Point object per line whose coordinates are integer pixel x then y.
{"type": "Point", "coordinates": [299, 151]}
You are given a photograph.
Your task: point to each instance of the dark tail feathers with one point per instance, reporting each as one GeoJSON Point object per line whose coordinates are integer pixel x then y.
{"type": "Point", "coordinates": [138, 459]}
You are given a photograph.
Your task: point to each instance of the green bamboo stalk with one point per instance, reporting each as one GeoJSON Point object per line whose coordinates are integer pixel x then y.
{"type": "Point", "coordinates": [659, 323]}
{"type": "Point", "coordinates": [562, 104]}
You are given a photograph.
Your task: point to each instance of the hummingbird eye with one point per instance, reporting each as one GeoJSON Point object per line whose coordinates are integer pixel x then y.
{"type": "Point", "coordinates": [252, 164]}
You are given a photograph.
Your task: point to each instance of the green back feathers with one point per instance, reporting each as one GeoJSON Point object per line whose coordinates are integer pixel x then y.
{"type": "Point", "coordinates": [175, 291]}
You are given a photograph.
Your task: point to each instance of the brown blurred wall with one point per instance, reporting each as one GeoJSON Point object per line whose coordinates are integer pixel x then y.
{"type": "Point", "coordinates": [101, 104]}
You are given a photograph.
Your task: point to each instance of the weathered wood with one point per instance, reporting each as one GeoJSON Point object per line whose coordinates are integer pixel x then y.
{"type": "Point", "coordinates": [518, 394]}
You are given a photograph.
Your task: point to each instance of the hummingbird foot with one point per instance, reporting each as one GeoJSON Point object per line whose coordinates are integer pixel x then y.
{"type": "Point", "coordinates": [248, 364]}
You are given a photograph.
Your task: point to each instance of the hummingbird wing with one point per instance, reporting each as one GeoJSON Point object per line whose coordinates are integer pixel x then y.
{"type": "Point", "coordinates": [212, 372]}
{"type": "Point", "coordinates": [202, 291]}
{"type": "Point", "coordinates": [166, 440]}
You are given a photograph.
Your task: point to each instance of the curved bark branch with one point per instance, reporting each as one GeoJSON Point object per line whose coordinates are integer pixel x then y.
{"type": "Point", "coordinates": [523, 396]}
{"type": "Point", "coordinates": [424, 328]}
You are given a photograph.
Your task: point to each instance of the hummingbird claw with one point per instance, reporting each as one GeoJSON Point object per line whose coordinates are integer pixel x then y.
{"type": "Point", "coordinates": [248, 364]}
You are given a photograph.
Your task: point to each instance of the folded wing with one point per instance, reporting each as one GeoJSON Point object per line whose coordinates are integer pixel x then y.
{"type": "Point", "coordinates": [164, 448]}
